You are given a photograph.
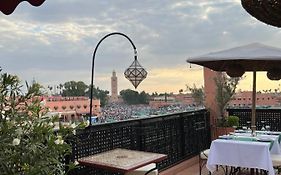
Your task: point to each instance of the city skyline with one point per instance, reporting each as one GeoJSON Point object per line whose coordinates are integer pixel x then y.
{"type": "Point", "coordinates": [54, 43]}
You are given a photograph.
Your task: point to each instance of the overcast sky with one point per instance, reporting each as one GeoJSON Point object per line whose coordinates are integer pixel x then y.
{"type": "Point", "coordinates": [54, 43]}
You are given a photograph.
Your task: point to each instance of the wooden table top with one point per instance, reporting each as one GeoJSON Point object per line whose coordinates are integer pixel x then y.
{"type": "Point", "coordinates": [121, 160]}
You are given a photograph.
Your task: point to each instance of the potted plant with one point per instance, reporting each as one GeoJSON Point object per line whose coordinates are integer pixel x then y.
{"type": "Point", "coordinates": [233, 121]}
{"type": "Point", "coordinates": [225, 89]}
{"type": "Point", "coordinates": [227, 125]}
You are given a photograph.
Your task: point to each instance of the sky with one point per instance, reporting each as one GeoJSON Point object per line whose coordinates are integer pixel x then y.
{"type": "Point", "coordinates": [54, 43]}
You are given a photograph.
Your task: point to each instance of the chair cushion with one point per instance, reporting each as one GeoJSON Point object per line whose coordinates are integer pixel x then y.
{"type": "Point", "coordinates": [276, 160]}
{"type": "Point", "coordinates": [204, 154]}
{"type": "Point", "coordinates": [144, 169]}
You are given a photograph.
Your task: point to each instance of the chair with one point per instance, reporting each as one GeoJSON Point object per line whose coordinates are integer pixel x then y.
{"type": "Point", "coordinates": [200, 127]}
{"type": "Point", "coordinates": [203, 157]}
{"type": "Point", "coordinates": [276, 161]}
{"type": "Point", "coordinates": [143, 170]}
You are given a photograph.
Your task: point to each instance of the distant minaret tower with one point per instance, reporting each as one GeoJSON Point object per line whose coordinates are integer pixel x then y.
{"type": "Point", "coordinates": [114, 92]}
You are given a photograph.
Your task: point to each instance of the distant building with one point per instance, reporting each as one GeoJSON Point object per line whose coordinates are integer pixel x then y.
{"type": "Point", "coordinates": [244, 99]}
{"type": "Point", "coordinates": [114, 88]}
{"type": "Point", "coordinates": [186, 99]}
{"type": "Point", "coordinates": [71, 108]}
{"type": "Point", "coordinates": [160, 101]}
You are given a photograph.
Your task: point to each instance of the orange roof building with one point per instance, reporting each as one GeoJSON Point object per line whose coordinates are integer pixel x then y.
{"type": "Point", "coordinates": [71, 108]}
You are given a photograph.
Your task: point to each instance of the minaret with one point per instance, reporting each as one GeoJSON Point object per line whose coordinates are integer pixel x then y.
{"type": "Point", "coordinates": [114, 92]}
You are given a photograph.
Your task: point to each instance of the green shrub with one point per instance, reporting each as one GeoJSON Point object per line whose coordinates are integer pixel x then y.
{"type": "Point", "coordinates": [29, 142]}
{"type": "Point", "coordinates": [233, 121]}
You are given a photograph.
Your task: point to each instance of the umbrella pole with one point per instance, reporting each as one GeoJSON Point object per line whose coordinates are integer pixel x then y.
{"type": "Point", "coordinates": [253, 120]}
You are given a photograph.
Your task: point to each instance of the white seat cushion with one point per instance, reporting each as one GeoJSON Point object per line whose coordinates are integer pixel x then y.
{"type": "Point", "coordinates": [144, 169]}
{"type": "Point", "coordinates": [276, 160]}
{"type": "Point", "coordinates": [204, 154]}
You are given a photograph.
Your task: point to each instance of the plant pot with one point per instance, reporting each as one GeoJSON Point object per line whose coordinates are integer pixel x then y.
{"type": "Point", "coordinates": [223, 131]}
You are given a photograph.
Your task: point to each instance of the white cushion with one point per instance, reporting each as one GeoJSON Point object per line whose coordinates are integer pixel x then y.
{"type": "Point", "coordinates": [276, 160]}
{"type": "Point", "coordinates": [204, 154]}
{"type": "Point", "coordinates": [144, 169]}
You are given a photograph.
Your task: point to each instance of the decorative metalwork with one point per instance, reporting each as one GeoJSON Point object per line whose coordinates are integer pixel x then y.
{"type": "Point", "coordinates": [267, 11]}
{"type": "Point", "coordinates": [135, 73]}
{"type": "Point", "coordinates": [135, 69]}
{"type": "Point", "coordinates": [173, 134]}
{"type": "Point", "coordinates": [8, 6]}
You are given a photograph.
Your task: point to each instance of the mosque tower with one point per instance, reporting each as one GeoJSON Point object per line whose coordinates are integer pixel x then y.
{"type": "Point", "coordinates": [114, 91]}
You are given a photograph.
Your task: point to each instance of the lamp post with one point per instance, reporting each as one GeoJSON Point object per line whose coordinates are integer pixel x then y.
{"type": "Point", "coordinates": [135, 73]}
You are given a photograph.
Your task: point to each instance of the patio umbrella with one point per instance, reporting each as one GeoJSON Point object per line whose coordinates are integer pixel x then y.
{"type": "Point", "coordinates": [264, 10]}
{"type": "Point", "coordinates": [8, 6]}
{"type": "Point", "coordinates": [235, 61]}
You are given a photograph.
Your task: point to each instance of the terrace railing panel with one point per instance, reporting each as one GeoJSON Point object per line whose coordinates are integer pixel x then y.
{"type": "Point", "coordinates": [271, 117]}
{"type": "Point", "coordinates": [178, 135]}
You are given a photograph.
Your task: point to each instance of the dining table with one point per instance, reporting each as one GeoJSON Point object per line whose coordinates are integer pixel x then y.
{"type": "Point", "coordinates": [122, 160]}
{"type": "Point", "coordinates": [242, 149]}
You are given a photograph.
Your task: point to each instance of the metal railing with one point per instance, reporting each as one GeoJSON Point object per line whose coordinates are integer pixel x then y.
{"type": "Point", "coordinates": [179, 135]}
{"type": "Point", "coordinates": [269, 117]}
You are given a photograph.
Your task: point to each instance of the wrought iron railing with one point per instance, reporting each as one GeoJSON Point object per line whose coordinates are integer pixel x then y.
{"type": "Point", "coordinates": [179, 135]}
{"type": "Point", "coordinates": [270, 117]}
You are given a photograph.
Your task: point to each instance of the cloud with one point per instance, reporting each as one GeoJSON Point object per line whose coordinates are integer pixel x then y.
{"type": "Point", "coordinates": [54, 43]}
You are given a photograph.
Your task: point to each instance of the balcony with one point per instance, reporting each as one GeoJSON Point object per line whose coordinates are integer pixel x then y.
{"type": "Point", "coordinates": [177, 135]}
{"type": "Point", "coordinates": [181, 136]}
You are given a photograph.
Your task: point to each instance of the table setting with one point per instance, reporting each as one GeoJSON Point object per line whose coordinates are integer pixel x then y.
{"type": "Point", "coordinates": [244, 149]}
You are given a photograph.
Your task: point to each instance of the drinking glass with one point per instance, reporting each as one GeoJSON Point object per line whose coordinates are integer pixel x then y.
{"type": "Point", "coordinates": [263, 125]}
{"type": "Point", "coordinates": [249, 124]}
{"type": "Point", "coordinates": [267, 127]}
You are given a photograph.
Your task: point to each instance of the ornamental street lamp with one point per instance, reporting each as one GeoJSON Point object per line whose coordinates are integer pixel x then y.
{"type": "Point", "coordinates": [135, 73]}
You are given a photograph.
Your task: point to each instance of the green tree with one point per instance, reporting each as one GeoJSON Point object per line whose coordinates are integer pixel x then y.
{"type": "Point", "coordinates": [130, 96]}
{"type": "Point", "coordinates": [35, 88]}
{"type": "Point", "coordinates": [225, 89]}
{"type": "Point", "coordinates": [100, 94]}
{"type": "Point", "coordinates": [197, 94]}
{"type": "Point", "coordinates": [133, 97]}
{"type": "Point", "coordinates": [143, 98]}
{"type": "Point", "coordinates": [74, 89]}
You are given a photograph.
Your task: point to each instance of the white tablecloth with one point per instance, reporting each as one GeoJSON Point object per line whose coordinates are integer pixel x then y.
{"type": "Point", "coordinates": [276, 147]}
{"type": "Point", "coordinates": [240, 154]}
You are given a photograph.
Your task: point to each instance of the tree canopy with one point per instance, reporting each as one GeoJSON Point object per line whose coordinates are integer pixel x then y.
{"type": "Point", "coordinates": [79, 88]}
{"type": "Point", "coordinates": [197, 94]}
{"type": "Point", "coordinates": [225, 89]}
{"type": "Point", "coordinates": [100, 94]}
{"type": "Point", "coordinates": [74, 89]}
{"type": "Point", "coordinates": [133, 97]}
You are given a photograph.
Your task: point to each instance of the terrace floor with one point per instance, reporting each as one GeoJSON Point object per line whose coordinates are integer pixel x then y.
{"type": "Point", "coordinates": [188, 167]}
{"type": "Point", "coordinates": [191, 167]}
